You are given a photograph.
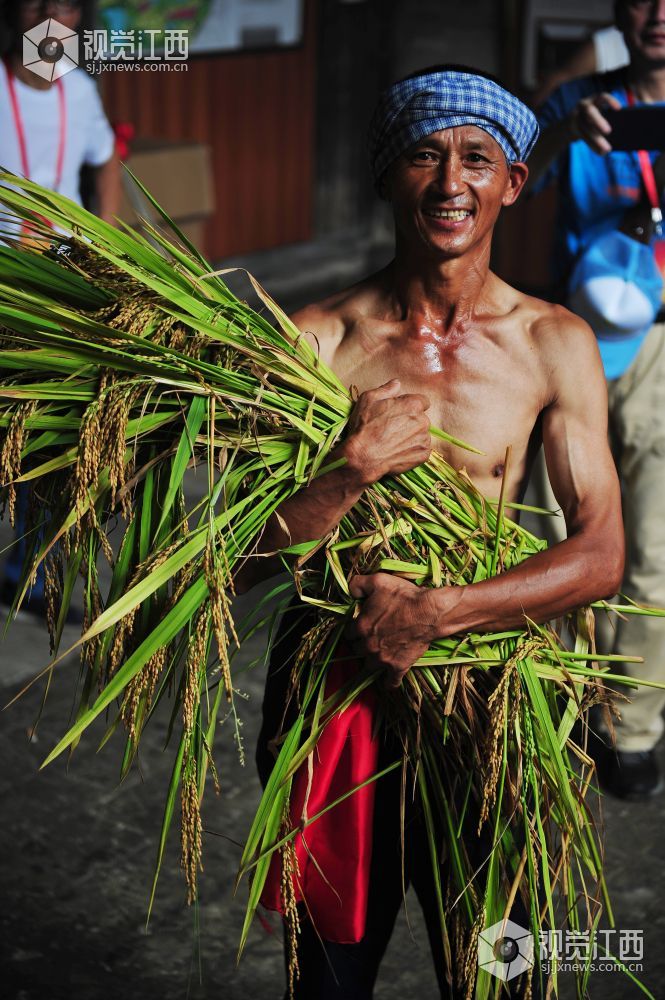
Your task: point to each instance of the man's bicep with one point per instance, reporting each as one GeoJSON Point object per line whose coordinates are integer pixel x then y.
{"type": "Point", "coordinates": [577, 453]}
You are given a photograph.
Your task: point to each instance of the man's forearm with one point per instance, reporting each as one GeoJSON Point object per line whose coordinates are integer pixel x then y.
{"type": "Point", "coordinates": [550, 145]}
{"type": "Point", "coordinates": [547, 585]}
{"type": "Point", "coordinates": [107, 187]}
{"type": "Point", "coordinates": [387, 432]}
{"type": "Point", "coordinates": [309, 514]}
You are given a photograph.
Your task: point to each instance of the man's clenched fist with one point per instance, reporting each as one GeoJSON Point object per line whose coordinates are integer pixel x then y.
{"type": "Point", "coordinates": [387, 432]}
{"type": "Point", "coordinates": [396, 624]}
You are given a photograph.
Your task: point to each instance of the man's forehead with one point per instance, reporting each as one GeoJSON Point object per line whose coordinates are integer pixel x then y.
{"type": "Point", "coordinates": [461, 135]}
{"type": "Point", "coordinates": [418, 105]}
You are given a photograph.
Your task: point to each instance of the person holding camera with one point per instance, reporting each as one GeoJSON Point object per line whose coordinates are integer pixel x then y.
{"type": "Point", "coordinates": [608, 250]}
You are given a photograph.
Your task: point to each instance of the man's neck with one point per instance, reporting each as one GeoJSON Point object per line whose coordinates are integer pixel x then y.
{"type": "Point", "coordinates": [449, 290]}
{"type": "Point", "coordinates": [648, 81]}
{"type": "Point", "coordinates": [26, 75]}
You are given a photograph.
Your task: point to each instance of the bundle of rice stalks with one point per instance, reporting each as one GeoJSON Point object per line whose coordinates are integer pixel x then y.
{"type": "Point", "coordinates": [123, 362]}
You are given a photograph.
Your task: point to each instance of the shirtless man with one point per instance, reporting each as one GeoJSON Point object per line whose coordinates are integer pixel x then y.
{"type": "Point", "coordinates": [437, 338]}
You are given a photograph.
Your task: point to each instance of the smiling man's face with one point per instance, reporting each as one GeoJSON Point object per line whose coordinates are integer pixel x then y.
{"type": "Point", "coordinates": [448, 189]}
{"type": "Point", "coordinates": [643, 25]}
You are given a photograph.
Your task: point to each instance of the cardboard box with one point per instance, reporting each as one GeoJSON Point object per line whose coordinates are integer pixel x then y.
{"type": "Point", "coordinates": [178, 176]}
{"type": "Point", "coordinates": [195, 231]}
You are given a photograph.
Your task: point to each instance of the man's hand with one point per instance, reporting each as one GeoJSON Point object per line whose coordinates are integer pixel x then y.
{"type": "Point", "coordinates": [588, 122]}
{"type": "Point", "coordinates": [388, 433]}
{"type": "Point", "coordinates": [396, 624]}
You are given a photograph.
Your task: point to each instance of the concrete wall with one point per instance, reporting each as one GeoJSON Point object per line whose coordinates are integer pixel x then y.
{"type": "Point", "coordinates": [354, 63]}
{"type": "Point", "coordinates": [426, 32]}
{"type": "Point", "coordinates": [364, 45]}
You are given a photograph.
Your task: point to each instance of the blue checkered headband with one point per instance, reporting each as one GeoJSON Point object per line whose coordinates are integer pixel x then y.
{"type": "Point", "coordinates": [414, 108]}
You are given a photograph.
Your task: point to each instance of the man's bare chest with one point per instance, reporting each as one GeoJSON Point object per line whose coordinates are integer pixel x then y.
{"type": "Point", "coordinates": [478, 392]}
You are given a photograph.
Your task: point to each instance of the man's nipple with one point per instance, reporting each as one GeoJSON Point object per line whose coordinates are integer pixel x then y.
{"type": "Point", "coordinates": [498, 470]}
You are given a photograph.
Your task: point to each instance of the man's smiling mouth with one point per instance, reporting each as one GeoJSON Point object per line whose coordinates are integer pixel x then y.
{"type": "Point", "coordinates": [456, 215]}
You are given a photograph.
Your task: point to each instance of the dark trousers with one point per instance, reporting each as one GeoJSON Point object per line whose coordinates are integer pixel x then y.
{"type": "Point", "coordinates": [331, 971]}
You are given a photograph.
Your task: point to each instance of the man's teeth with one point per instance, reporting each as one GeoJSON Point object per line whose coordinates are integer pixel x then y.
{"type": "Point", "coordinates": [456, 215]}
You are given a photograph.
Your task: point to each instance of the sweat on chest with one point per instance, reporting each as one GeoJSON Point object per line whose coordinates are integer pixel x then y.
{"type": "Point", "coordinates": [371, 357]}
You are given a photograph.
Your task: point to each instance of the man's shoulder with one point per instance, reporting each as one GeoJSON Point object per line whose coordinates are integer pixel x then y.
{"type": "Point", "coordinates": [329, 320]}
{"type": "Point", "coordinates": [565, 343]}
{"type": "Point", "coordinates": [554, 325]}
{"type": "Point", "coordinates": [562, 101]}
{"type": "Point", "coordinates": [552, 332]}
{"type": "Point", "coordinates": [540, 319]}
{"type": "Point", "coordinates": [596, 83]}
{"type": "Point", "coordinates": [564, 352]}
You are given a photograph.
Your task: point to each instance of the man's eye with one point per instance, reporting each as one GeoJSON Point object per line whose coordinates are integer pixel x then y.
{"type": "Point", "coordinates": [476, 158]}
{"type": "Point", "coordinates": [423, 156]}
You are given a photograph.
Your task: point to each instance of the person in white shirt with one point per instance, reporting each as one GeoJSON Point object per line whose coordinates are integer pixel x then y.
{"type": "Point", "coordinates": [48, 131]}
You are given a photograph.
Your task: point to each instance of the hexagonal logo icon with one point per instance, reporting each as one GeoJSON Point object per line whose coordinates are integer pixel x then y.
{"type": "Point", "coordinates": [50, 50]}
{"type": "Point", "coordinates": [505, 950]}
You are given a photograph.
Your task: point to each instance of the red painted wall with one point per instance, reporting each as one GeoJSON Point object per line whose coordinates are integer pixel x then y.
{"type": "Point", "coordinates": [256, 112]}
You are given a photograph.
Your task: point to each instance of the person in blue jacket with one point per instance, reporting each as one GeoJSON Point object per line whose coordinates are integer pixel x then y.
{"type": "Point", "coordinates": [601, 191]}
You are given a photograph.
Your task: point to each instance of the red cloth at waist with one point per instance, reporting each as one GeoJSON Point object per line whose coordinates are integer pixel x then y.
{"type": "Point", "coordinates": [335, 851]}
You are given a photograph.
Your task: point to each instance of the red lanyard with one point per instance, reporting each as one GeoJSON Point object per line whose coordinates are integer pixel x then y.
{"type": "Point", "coordinates": [649, 178]}
{"type": "Point", "coordinates": [20, 129]}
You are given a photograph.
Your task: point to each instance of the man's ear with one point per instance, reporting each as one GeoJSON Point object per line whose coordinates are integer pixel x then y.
{"type": "Point", "coordinates": [517, 175]}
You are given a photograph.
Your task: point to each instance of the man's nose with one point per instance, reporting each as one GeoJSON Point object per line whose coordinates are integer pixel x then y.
{"type": "Point", "coordinates": [449, 177]}
{"type": "Point", "coordinates": [657, 12]}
